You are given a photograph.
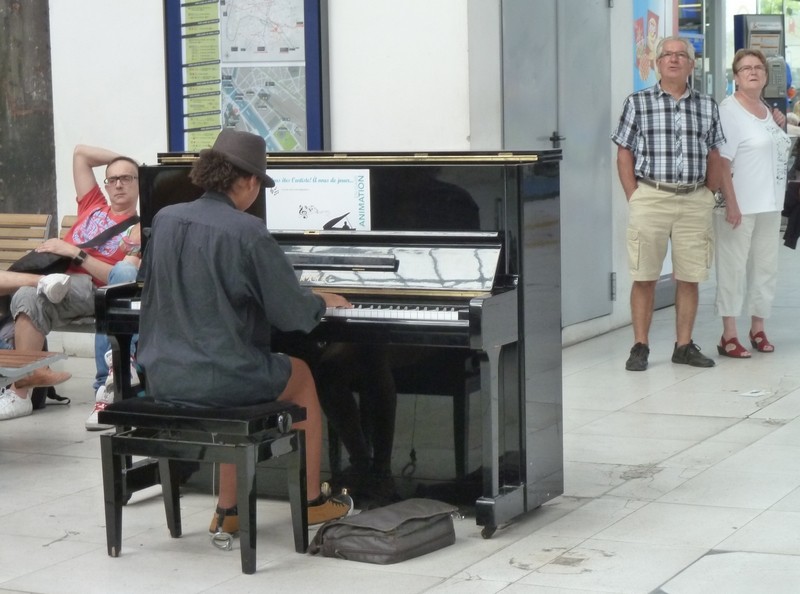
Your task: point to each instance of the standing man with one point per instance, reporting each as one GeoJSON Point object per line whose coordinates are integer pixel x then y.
{"type": "Point", "coordinates": [667, 159]}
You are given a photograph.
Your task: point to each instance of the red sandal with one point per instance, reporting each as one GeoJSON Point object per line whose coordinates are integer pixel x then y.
{"type": "Point", "coordinates": [732, 348]}
{"type": "Point", "coordinates": [760, 342]}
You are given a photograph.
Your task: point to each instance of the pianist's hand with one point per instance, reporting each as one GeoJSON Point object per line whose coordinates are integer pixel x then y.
{"type": "Point", "coordinates": [334, 300]}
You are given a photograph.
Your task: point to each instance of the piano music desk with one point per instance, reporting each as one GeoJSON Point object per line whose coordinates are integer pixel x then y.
{"type": "Point", "coordinates": [15, 365]}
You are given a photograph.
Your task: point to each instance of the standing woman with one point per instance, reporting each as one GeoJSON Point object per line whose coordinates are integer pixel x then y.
{"type": "Point", "coordinates": [753, 179]}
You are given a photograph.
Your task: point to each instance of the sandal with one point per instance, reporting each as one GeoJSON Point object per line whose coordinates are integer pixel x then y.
{"type": "Point", "coordinates": [732, 348]}
{"type": "Point", "coordinates": [760, 342]}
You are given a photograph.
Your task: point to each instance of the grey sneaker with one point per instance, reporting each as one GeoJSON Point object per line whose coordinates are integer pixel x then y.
{"type": "Point", "coordinates": [689, 354]}
{"type": "Point", "coordinates": [638, 359]}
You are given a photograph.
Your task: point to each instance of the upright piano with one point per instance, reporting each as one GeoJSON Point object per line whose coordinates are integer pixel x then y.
{"type": "Point", "coordinates": [462, 256]}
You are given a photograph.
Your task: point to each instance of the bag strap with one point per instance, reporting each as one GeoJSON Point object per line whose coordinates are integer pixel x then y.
{"type": "Point", "coordinates": [110, 232]}
{"type": "Point", "coordinates": [53, 395]}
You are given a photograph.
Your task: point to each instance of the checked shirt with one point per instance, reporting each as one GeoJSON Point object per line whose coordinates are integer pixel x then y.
{"type": "Point", "coordinates": [670, 139]}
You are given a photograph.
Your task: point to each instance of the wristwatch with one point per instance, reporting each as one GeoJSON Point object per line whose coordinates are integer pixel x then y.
{"type": "Point", "coordinates": [80, 258]}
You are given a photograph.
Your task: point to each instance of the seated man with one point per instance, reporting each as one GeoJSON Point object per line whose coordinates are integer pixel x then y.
{"type": "Point", "coordinates": [34, 313]}
{"type": "Point", "coordinates": [215, 282]}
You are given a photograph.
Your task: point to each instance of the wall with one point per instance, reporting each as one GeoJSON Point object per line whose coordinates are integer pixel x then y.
{"type": "Point", "coordinates": [399, 81]}
{"type": "Point", "coordinates": [108, 90]}
{"type": "Point", "coordinates": [108, 82]}
{"type": "Point", "coordinates": [398, 75]}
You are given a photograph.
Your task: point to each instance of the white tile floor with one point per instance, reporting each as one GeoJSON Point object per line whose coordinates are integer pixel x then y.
{"type": "Point", "coordinates": [678, 481]}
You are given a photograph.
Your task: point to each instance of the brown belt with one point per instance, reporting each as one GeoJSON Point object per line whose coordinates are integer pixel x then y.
{"type": "Point", "coordinates": [674, 188]}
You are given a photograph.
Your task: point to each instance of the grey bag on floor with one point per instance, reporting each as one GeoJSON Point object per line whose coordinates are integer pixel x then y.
{"type": "Point", "coordinates": [388, 534]}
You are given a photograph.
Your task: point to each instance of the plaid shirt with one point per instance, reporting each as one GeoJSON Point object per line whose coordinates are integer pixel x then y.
{"type": "Point", "coordinates": [669, 139]}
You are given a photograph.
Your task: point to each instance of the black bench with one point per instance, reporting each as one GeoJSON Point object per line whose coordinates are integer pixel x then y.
{"type": "Point", "coordinates": [243, 436]}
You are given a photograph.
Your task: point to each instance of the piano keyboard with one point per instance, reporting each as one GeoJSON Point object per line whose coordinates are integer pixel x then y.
{"type": "Point", "coordinates": [394, 312]}
{"type": "Point", "coordinates": [379, 312]}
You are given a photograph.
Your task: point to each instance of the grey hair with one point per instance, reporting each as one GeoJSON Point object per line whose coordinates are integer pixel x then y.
{"type": "Point", "coordinates": [687, 44]}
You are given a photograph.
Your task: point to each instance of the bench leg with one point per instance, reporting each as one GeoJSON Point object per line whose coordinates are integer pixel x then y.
{"type": "Point", "coordinates": [298, 497]}
{"type": "Point", "coordinates": [170, 490]}
{"type": "Point", "coordinates": [246, 500]}
{"type": "Point", "coordinates": [113, 483]}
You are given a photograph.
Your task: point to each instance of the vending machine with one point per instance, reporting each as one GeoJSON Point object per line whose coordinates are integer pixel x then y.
{"type": "Point", "coordinates": [765, 32]}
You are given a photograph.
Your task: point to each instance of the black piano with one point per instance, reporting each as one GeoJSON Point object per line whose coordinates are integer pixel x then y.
{"type": "Point", "coordinates": [463, 256]}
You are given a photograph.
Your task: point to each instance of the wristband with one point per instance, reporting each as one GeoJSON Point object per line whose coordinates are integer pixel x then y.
{"type": "Point", "coordinates": [80, 258]}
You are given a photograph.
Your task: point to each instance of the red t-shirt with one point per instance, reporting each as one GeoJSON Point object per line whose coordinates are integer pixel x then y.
{"type": "Point", "coordinates": [94, 217]}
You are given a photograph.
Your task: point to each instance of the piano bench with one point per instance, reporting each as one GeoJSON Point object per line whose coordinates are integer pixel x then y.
{"type": "Point", "coordinates": [243, 436]}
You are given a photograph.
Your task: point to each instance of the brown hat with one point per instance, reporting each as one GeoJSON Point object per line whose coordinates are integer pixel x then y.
{"type": "Point", "coordinates": [245, 150]}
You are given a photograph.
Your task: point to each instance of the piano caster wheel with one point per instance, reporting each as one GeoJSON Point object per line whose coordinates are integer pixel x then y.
{"type": "Point", "coordinates": [488, 531]}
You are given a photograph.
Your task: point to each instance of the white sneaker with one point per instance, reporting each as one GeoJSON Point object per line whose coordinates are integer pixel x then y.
{"type": "Point", "coordinates": [54, 286]}
{"type": "Point", "coordinates": [102, 399]}
{"type": "Point", "coordinates": [110, 378]}
{"type": "Point", "coordinates": [12, 406]}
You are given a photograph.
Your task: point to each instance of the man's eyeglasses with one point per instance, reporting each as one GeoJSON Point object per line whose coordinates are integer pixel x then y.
{"type": "Point", "coordinates": [679, 55]}
{"type": "Point", "coordinates": [123, 179]}
{"type": "Point", "coordinates": [756, 67]}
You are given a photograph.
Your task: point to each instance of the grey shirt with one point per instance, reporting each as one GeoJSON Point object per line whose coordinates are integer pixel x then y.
{"type": "Point", "coordinates": [215, 282]}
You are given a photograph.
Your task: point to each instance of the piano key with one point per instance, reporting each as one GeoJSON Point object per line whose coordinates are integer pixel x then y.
{"type": "Point", "coordinates": [394, 313]}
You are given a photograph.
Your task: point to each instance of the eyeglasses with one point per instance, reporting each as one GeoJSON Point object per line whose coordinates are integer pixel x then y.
{"type": "Point", "coordinates": [123, 179]}
{"type": "Point", "coordinates": [746, 69]}
{"type": "Point", "coordinates": [679, 55]}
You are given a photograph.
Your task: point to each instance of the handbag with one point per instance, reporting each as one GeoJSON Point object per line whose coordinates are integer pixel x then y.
{"type": "Point", "coordinates": [389, 534]}
{"type": "Point", "coordinates": [49, 263]}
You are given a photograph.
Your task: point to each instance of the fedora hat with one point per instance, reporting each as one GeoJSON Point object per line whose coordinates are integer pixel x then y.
{"type": "Point", "coordinates": [245, 150]}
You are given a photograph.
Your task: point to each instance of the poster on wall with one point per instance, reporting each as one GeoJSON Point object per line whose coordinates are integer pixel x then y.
{"type": "Point", "coordinates": [247, 66]}
{"type": "Point", "coordinates": [649, 26]}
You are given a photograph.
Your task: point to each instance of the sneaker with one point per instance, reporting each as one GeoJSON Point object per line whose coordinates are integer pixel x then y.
{"type": "Point", "coordinates": [102, 399]}
{"type": "Point", "coordinates": [109, 365]}
{"type": "Point", "coordinates": [54, 286]}
{"type": "Point", "coordinates": [12, 406]}
{"type": "Point", "coordinates": [638, 359]}
{"type": "Point", "coordinates": [225, 520]}
{"type": "Point", "coordinates": [332, 508]}
{"type": "Point", "coordinates": [689, 354]}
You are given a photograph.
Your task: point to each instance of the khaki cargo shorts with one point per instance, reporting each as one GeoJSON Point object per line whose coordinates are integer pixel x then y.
{"type": "Point", "coordinates": [658, 217]}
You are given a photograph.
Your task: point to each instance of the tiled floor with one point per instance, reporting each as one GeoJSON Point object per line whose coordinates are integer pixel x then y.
{"type": "Point", "coordinates": [678, 481]}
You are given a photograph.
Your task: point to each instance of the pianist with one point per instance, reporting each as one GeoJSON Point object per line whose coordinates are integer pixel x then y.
{"type": "Point", "coordinates": [215, 282]}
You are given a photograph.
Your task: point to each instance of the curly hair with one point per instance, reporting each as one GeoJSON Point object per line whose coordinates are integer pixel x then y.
{"type": "Point", "coordinates": [212, 171]}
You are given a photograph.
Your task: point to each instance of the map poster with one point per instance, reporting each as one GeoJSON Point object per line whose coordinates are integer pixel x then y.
{"type": "Point", "coordinates": [319, 199]}
{"type": "Point", "coordinates": [242, 66]}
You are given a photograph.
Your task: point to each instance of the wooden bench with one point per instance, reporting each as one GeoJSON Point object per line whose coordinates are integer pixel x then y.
{"type": "Point", "coordinates": [19, 234]}
{"type": "Point", "coordinates": [15, 365]}
{"type": "Point", "coordinates": [66, 222]}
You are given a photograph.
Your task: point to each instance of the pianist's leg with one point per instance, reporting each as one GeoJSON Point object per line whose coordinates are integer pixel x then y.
{"type": "Point", "coordinates": [302, 391]}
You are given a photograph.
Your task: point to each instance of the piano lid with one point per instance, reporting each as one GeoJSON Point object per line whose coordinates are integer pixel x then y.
{"type": "Point", "coordinates": [445, 264]}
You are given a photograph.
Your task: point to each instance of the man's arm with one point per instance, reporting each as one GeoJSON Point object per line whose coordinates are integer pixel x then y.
{"type": "Point", "coordinates": [627, 177]}
{"type": "Point", "coordinates": [84, 160]}
{"type": "Point", "coordinates": [715, 170]}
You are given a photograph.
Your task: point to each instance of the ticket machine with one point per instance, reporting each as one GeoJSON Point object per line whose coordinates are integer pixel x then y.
{"type": "Point", "coordinates": [765, 32]}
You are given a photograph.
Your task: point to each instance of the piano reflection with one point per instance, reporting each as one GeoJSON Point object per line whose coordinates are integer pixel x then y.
{"type": "Point", "coordinates": [487, 290]}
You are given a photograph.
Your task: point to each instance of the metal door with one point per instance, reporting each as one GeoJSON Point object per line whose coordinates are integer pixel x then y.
{"type": "Point", "coordinates": [556, 89]}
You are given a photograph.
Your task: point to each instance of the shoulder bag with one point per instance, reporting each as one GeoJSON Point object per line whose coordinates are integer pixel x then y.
{"type": "Point", "coordinates": [49, 263]}
{"type": "Point", "coordinates": [389, 534]}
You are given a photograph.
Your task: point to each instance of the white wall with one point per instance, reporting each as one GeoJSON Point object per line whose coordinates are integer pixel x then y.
{"type": "Point", "coordinates": [108, 82]}
{"type": "Point", "coordinates": [399, 75]}
{"type": "Point", "coordinates": [108, 90]}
